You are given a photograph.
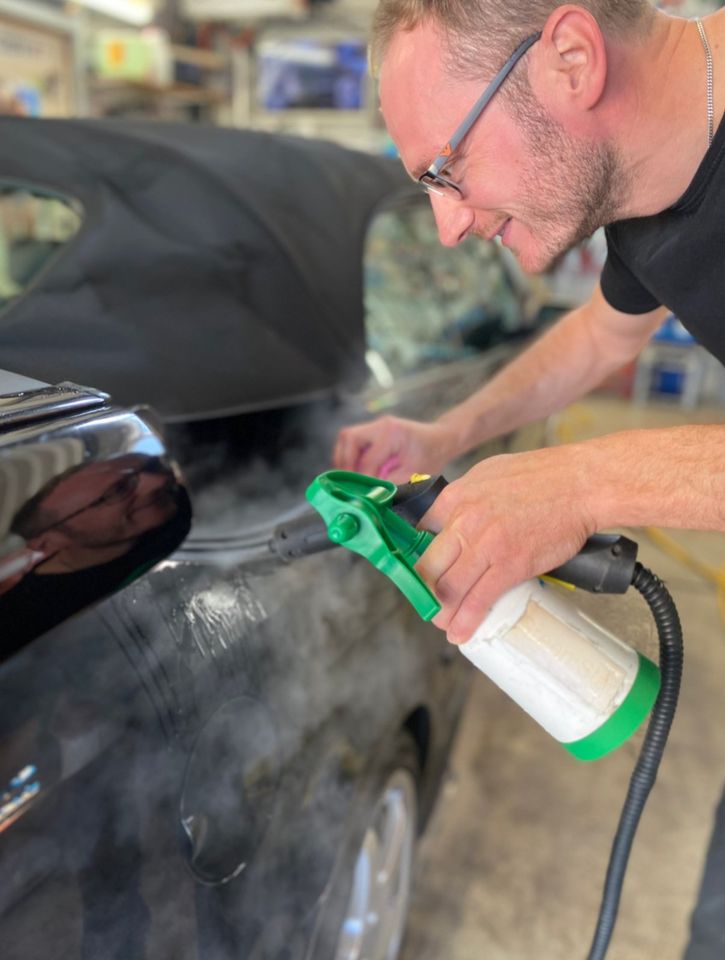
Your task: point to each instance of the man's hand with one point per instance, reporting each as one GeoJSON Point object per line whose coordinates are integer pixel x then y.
{"type": "Point", "coordinates": [509, 518]}
{"type": "Point", "coordinates": [392, 448]}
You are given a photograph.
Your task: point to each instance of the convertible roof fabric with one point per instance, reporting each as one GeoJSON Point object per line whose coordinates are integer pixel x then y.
{"type": "Point", "coordinates": [216, 270]}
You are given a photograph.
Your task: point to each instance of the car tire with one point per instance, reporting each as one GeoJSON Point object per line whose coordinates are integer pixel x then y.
{"type": "Point", "coordinates": [366, 913]}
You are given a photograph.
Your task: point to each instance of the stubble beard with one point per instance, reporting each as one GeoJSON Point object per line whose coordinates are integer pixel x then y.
{"type": "Point", "coordinates": [570, 188]}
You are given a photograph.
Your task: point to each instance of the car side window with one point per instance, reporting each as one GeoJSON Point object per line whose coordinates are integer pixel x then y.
{"type": "Point", "coordinates": [426, 303]}
{"type": "Point", "coordinates": [34, 227]}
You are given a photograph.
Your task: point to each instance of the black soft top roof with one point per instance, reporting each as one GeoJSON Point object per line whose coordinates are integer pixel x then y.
{"type": "Point", "coordinates": [216, 270]}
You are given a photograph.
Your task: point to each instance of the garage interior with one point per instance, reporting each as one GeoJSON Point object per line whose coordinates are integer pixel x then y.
{"type": "Point", "coordinates": [512, 862]}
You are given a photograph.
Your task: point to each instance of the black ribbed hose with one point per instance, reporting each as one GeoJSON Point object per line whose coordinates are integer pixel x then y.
{"type": "Point", "coordinates": [645, 772]}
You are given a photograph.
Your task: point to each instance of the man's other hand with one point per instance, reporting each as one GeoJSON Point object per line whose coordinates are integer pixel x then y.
{"type": "Point", "coordinates": [392, 448]}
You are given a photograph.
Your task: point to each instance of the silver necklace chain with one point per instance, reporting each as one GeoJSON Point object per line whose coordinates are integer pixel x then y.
{"type": "Point", "coordinates": [710, 94]}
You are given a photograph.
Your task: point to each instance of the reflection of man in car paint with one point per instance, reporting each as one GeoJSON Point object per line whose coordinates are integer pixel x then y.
{"type": "Point", "coordinates": [85, 533]}
{"type": "Point", "coordinates": [96, 513]}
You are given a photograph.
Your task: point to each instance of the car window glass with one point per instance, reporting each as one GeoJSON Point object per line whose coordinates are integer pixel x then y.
{"type": "Point", "coordinates": [426, 303]}
{"type": "Point", "coordinates": [34, 226]}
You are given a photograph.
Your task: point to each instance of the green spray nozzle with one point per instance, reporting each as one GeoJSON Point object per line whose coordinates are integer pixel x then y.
{"type": "Point", "coordinates": [357, 510]}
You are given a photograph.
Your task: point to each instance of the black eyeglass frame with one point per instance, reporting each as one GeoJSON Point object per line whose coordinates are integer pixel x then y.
{"type": "Point", "coordinates": [122, 488]}
{"type": "Point", "coordinates": [432, 180]}
{"type": "Point", "coordinates": [119, 490]}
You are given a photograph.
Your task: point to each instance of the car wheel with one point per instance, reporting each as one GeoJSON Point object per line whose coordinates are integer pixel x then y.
{"type": "Point", "coordinates": [374, 920]}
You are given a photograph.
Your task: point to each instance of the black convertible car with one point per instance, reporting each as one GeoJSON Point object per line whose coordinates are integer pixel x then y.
{"type": "Point", "coordinates": [208, 749]}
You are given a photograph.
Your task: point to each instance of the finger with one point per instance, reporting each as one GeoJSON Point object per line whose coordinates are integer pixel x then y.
{"type": "Point", "coordinates": [392, 464]}
{"type": "Point", "coordinates": [377, 453]}
{"type": "Point", "coordinates": [455, 584]}
{"type": "Point", "coordinates": [440, 556]}
{"type": "Point", "coordinates": [357, 460]}
{"type": "Point", "coordinates": [347, 449]}
{"type": "Point", "coordinates": [476, 604]}
{"type": "Point", "coordinates": [339, 453]}
{"type": "Point", "coordinates": [439, 513]}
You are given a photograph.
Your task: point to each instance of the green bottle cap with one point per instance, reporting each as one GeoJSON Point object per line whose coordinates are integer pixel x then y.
{"type": "Point", "coordinates": [626, 719]}
{"type": "Point", "coordinates": [357, 510]}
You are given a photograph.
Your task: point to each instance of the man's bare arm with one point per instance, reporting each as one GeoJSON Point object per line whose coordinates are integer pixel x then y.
{"type": "Point", "coordinates": [571, 358]}
{"type": "Point", "coordinates": [568, 361]}
{"type": "Point", "coordinates": [515, 516]}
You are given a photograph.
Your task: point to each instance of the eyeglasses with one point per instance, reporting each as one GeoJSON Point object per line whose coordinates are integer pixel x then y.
{"type": "Point", "coordinates": [119, 490]}
{"type": "Point", "coordinates": [432, 180]}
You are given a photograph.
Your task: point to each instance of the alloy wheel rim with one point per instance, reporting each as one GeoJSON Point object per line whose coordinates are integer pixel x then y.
{"type": "Point", "coordinates": [377, 909]}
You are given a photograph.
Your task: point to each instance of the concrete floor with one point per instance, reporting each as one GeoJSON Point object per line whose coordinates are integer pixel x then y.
{"type": "Point", "coordinates": [513, 862]}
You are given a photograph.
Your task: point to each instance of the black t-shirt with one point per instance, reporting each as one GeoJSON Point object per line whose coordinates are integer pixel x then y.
{"type": "Point", "coordinates": [39, 602]}
{"type": "Point", "coordinates": [677, 258]}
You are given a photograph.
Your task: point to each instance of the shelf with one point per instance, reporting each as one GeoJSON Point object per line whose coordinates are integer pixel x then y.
{"type": "Point", "coordinates": [205, 59]}
{"type": "Point", "coordinates": [243, 11]}
{"type": "Point", "coordinates": [312, 115]}
{"type": "Point", "coordinates": [178, 92]}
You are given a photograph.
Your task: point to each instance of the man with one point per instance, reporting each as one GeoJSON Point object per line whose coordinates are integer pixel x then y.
{"type": "Point", "coordinates": [85, 533]}
{"type": "Point", "coordinates": [95, 513]}
{"type": "Point", "coordinates": [597, 114]}
{"type": "Point", "coordinates": [602, 113]}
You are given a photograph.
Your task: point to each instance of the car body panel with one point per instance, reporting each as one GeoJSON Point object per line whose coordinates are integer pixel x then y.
{"type": "Point", "coordinates": [191, 755]}
{"type": "Point", "coordinates": [120, 715]}
{"type": "Point", "coordinates": [186, 767]}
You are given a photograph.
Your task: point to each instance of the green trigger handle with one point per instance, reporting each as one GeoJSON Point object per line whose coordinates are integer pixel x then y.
{"type": "Point", "coordinates": [360, 514]}
{"type": "Point", "coordinates": [357, 510]}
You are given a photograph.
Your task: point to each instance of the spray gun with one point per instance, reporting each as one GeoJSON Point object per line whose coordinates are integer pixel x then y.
{"type": "Point", "coordinates": [587, 688]}
{"type": "Point", "coordinates": [584, 686]}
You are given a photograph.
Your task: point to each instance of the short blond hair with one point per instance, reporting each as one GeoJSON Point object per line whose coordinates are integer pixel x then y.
{"type": "Point", "coordinates": [479, 34]}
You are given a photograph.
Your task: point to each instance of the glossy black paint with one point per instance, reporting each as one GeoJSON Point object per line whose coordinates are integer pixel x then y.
{"type": "Point", "coordinates": [195, 757]}
{"type": "Point", "coordinates": [200, 740]}
{"type": "Point", "coordinates": [203, 744]}
{"type": "Point", "coordinates": [88, 501]}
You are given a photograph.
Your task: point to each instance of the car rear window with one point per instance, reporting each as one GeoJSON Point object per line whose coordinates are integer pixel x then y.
{"type": "Point", "coordinates": [426, 303]}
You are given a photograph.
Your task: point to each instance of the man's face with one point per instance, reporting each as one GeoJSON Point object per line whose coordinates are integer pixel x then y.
{"type": "Point", "coordinates": [111, 502]}
{"type": "Point", "coordinates": [523, 177]}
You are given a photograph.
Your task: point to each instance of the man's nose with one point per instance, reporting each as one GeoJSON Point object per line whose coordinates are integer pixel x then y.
{"type": "Point", "coordinates": [453, 219]}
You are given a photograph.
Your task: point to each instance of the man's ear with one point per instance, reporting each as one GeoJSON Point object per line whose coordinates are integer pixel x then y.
{"type": "Point", "coordinates": [572, 63]}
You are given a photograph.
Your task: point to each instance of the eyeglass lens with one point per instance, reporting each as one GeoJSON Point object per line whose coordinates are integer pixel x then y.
{"type": "Point", "coordinates": [122, 488]}
{"type": "Point", "coordinates": [434, 183]}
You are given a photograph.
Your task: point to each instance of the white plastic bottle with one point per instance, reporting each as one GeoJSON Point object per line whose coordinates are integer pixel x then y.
{"type": "Point", "coordinates": [582, 684]}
